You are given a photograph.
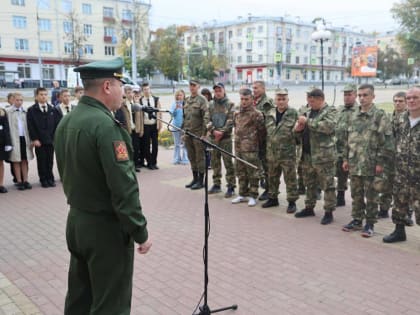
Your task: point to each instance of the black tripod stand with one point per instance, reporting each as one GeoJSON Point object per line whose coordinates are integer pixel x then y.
{"type": "Point", "coordinates": [205, 309]}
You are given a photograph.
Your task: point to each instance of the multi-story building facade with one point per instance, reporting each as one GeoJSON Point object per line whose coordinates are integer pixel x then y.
{"type": "Point", "coordinates": [276, 49]}
{"type": "Point", "coordinates": [43, 38]}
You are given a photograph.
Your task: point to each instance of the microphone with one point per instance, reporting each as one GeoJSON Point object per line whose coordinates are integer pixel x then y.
{"type": "Point", "coordinates": [151, 110]}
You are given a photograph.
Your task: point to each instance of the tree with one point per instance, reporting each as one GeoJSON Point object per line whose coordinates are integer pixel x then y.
{"type": "Point", "coordinates": [146, 66]}
{"type": "Point", "coordinates": [76, 37]}
{"type": "Point", "coordinates": [392, 64]}
{"type": "Point", "coordinates": [407, 13]}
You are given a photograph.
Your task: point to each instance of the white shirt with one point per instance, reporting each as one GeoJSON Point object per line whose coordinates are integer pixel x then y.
{"type": "Point", "coordinates": [64, 109]}
{"type": "Point", "coordinates": [151, 103]}
{"type": "Point", "coordinates": [20, 120]}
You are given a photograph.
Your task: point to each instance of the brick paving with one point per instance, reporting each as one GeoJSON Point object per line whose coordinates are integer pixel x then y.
{"type": "Point", "coordinates": [266, 261]}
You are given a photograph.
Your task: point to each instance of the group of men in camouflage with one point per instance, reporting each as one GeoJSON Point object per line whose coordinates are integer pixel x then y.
{"type": "Point", "coordinates": [380, 154]}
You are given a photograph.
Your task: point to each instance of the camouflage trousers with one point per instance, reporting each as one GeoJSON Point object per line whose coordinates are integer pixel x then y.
{"type": "Point", "coordinates": [385, 197]}
{"type": "Point", "coordinates": [216, 163]}
{"type": "Point", "coordinates": [263, 171]}
{"type": "Point", "coordinates": [406, 196]}
{"type": "Point", "coordinates": [247, 176]}
{"type": "Point", "coordinates": [322, 176]}
{"type": "Point", "coordinates": [275, 169]}
{"type": "Point", "coordinates": [195, 150]}
{"type": "Point", "coordinates": [300, 174]}
{"type": "Point", "coordinates": [342, 176]}
{"type": "Point", "coordinates": [361, 190]}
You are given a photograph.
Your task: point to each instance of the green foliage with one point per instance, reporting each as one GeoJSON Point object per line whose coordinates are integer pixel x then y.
{"type": "Point", "coordinates": [407, 13]}
{"type": "Point", "coordinates": [165, 138]}
{"type": "Point", "coordinates": [392, 64]}
{"type": "Point", "coordinates": [146, 66]}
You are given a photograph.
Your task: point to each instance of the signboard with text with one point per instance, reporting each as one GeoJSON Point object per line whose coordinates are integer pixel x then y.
{"type": "Point", "coordinates": [364, 61]}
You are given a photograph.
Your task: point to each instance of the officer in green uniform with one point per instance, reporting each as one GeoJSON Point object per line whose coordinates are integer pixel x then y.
{"type": "Point", "coordinates": [94, 159]}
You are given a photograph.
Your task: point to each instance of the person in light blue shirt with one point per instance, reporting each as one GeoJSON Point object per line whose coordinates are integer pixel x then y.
{"type": "Point", "coordinates": [180, 152]}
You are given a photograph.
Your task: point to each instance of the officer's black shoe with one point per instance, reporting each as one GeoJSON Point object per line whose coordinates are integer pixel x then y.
{"type": "Point", "coordinates": [199, 183]}
{"type": "Point", "coordinates": [291, 208]}
{"type": "Point", "coordinates": [155, 167]}
{"type": "Point", "coordinates": [341, 201]}
{"type": "Point", "coordinates": [137, 170]}
{"type": "Point", "coordinates": [27, 185]}
{"type": "Point", "coordinates": [318, 194]}
{"type": "Point", "coordinates": [20, 186]}
{"type": "Point", "coordinates": [271, 202]}
{"type": "Point", "coordinates": [51, 183]}
{"type": "Point", "coordinates": [301, 189]}
{"type": "Point", "coordinates": [307, 212]}
{"type": "Point", "coordinates": [397, 236]}
{"type": "Point", "coordinates": [264, 196]}
{"type": "Point", "coordinates": [44, 184]}
{"type": "Point", "coordinates": [3, 190]}
{"type": "Point", "coordinates": [215, 189]}
{"type": "Point", "coordinates": [383, 214]}
{"type": "Point", "coordinates": [195, 175]}
{"type": "Point", "coordinates": [230, 192]}
{"type": "Point", "coordinates": [327, 218]}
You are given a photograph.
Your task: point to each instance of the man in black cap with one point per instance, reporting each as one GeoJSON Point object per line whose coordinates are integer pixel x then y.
{"type": "Point", "coordinates": [94, 158]}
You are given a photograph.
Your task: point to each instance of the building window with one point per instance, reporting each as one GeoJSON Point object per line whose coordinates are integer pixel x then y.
{"type": "Point", "coordinates": [212, 37]}
{"type": "Point", "coordinates": [260, 58]}
{"type": "Point", "coordinates": [278, 31]}
{"type": "Point", "coordinates": [249, 45]}
{"type": "Point", "coordinates": [313, 76]}
{"type": "Point", "coordinates": [239, 46]}
{"type": "Point", "coordinates": [288, 58]}
{"type": "Point", "coordinates": [305, 60]}
{"type": "Point", "coordinates": [221, 37]}
{"type": "Point", "coordinates": [287, 74]}
{"type": "Point", "coordinates": [297, 46]}
{"type": "Point", "coordinates": [260, 28]}
{"type": "Point", "coordinates": [239, 75]}
{"type": "Point", "coordinates": [288, 32]}
{"type": "Point", "coordinates": [279, 45]}
{"type": "Point", "coordinates": [68, 48]}
{"type": "Point", "coordinates": [19, 21]}
{"type": "Point", "coordinates": [127, 15]}
{"type": "Point", "coordinates": [88, 50]}
{"type": "Point", "coordinates": [230, 34]}
{"type": "Point", "coordinates": [66, 6]}
{"type": "Point", "coordinates": [297, 60]}
{"type": "Point", "coordinates": [87, 29]}
{"type": "Point", "coordinates": [109, 31]}
{"type": "Point", "coordinates": [329, 50]}
{"type": "Point", "coordinates": [305, 48]}
{"type": "Point", "coordinates": [45, 46]}
{"type": "Point", "coordinates": [328, 75]}
{"type": "Point", "coordinates": [288, 45]}
{"type": "Point", "coordinates": [48, 72]}
{"type": "Point", "coordinates": [21, 44]}
{"type": "Point", "coordinates": [109, 51]}
{"type": "Point", "coordinates": [239, 32]}
{"type": "Point", "coordinates": [44, 25]}
{"type": "Point", "coordinates": [239, 59]}
{"type": "Point", "coordinates": [67, 27]}
{"type": "Point", "coordinates": [298, 32]}
{"type": "Point", "coordinates": [43, 4]}
{"type": "Point", "coordinates": [197, 38]}
{"type": "Point", "coordinates": [108, 12]}
{"type": "Point", "coordinates": [18, 2]}
{"type": "Point", "coordinates": [249, 59]}
{"type": "Point", "coordinates": [87, 8]}
{"type": "Point", "coordinates": [24, 70]}
{"type": "Point", "coordinates": [260, 44]}
{"type": "Point", "coordinates": [259, 74]}
{"type": "Point", "coordinates": [313, 50]}
{"type": "Point", "coordinates": [189, 40]}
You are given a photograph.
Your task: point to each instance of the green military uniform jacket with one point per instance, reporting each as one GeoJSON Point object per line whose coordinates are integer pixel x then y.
{"type": "Point", "coordinates": [264, 104]}
{"type": "Point", "coordinates": [281, 141]}
{"type": "Point", "coordinates": [94, 159]}
{"type": "Point", "coordinates": [343, 117]}
{"type": "Point", "coordinates": [322, 135]}
{"type": "Point", "coordinates": [250, 130]}
{"type": "Point", "coordinates": [369, 141]}
{"type": "Point", "coordinates": [220, 114]}
{"type": "Point", "coordinates": [195, 115]}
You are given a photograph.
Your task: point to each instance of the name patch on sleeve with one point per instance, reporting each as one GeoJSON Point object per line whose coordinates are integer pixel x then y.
{"type": "Point", "coordinates": [120, 149]}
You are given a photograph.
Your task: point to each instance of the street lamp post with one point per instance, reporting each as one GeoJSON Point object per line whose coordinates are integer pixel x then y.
{"type": "Point", "coordinates": [321, 35]}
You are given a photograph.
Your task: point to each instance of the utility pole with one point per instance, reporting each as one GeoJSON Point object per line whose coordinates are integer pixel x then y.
{"type": "Point", "coordinates": [133, 46]}
{"type": "Point", "coordinates": [39, 46]}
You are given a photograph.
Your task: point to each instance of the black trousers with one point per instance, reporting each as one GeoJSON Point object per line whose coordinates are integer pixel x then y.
{"type": "Point", "coordinates": [135, 140]}
{"type": "Point", "coordinates": [150, 137]}
{"type": "Point", "coordinates": [45, 159]}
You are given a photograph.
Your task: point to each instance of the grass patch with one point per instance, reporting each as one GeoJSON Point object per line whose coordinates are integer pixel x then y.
{"type": "Point", "coordinates": [387, 107]}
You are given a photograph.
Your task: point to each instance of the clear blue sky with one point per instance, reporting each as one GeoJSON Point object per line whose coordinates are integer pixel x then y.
{"type": "Point", "coordinates": [373, 15]}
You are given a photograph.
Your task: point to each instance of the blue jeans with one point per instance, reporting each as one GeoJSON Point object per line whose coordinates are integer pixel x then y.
{"type": "Point", "coordinates": [180, 152]}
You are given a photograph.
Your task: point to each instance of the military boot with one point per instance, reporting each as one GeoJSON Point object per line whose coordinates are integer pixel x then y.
{"type": "Point", "coordinates": [397, 236]}
{"type": "Point", "coordinates": [215, 189]}
{"type": "Point", "coordinates": [199, 183]}
{"type": "Point", "coordinates": [271, 202]}
{"type": "Point", "coordinates": [341, 201]}
{"type": "Point", "coordinates": [264, 196]}
{"type": "Point", "coordinates": [408, 220]}
{"type": "Point", "coordinates": [195, 174]}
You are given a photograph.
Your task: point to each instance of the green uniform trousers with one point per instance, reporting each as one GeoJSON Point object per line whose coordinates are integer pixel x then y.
{"type": "Point", "coordinates": [195, 150]}
{"type": "Point", "coordinates": [247, 176]}
{"type": "Point", "coordinates": [342, 176]}
{"type": "Point", "coordinates": [275, 169]}
{"type": "Point", "coordinates": [216, 163]}
{"type": "Point", "coordinates": [101, 265]}
{"type": "Point", "coordinates": [361, 188]}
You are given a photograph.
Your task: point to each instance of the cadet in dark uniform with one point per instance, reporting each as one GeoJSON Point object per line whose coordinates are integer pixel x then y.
{"type": "Point", "coordinates": [94, 158]}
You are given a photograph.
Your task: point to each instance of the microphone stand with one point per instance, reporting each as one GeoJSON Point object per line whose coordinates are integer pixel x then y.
{"type": "Point", "coordinates": [205, 309]}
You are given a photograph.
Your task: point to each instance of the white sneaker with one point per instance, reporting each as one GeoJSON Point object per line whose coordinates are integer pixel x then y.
{"type": "Point", "coordinates": [239, 199]}
{"type": "Point", "coordinates": [251, 202]}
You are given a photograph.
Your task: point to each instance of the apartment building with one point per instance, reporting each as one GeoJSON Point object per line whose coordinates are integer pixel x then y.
{"type": "Point", "coordinates": [276, 49]}
{"type": "Point", "coordinates": [43, 38]}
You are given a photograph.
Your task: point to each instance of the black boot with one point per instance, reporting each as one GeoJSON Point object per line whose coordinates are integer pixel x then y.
{"type": "Point", "coordinates": [215, 189]}
{"type": "Point", "coordinates": [193, 181]}
{"type": "Point", "coordinates": [199, 183]}
{"type": "Point", "coordinates": [408, 220]}
{"type": "Point", "coordinates": [341, 201]}
{"type": "Point", "coordinates": [264, 196]}
{"type": "Point", "coordinates": [397, 236]}
{"type": "Point", "coordinates": [271, 202]}
{"type": "Point", "coordinates": [291, 208]}
{"type": "Point", "coordinates": [327, 218]}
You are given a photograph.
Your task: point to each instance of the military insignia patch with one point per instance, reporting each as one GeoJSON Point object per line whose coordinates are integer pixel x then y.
{"type": "Point", "coordinates": [120, 149]}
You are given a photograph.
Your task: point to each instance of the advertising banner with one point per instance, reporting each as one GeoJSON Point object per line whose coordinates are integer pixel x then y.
{"type": "Point", "coordinates": [364, 61]}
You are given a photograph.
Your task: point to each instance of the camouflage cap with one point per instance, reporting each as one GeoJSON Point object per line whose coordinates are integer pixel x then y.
{"type": "Point", "coordinates": [310, 89]}
{"type": "Point", "coordinates": [350, 88]}
{"type": "Point", "coordinates": [194, 82]}
{"type": "Point", "coordinates": [102, 69]}
{"type": "Point", "coordinates": [316, 93]}
{"type": "Point", "coordinates": [282, 91]}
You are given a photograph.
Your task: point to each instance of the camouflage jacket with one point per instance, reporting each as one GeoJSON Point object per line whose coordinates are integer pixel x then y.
{"type": "Point", "coordinates": [195, 115]}
{"type": "Point", "coordinates": [321, 135]}
{"type": "Point", "coordinates": [264, 104]}
{"type": "Point", "coordinates": [220, 115]}
{"type": "Point", "coordinates": [369, 141]}
{"type": "Point", "coordinates": [407, 156]}
{"type": "Point", "coordinates": [281, 141]}
{"type": "Point", "coordinates": [343, 117]}
{"type": "Point", "coordinates": [249, 130]}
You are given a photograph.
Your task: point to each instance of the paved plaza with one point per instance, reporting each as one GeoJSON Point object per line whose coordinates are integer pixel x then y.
{"type": "Point", "coordinates": [266, 261]}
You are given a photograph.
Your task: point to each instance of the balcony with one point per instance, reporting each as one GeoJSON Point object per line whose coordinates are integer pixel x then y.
{"type": "Point", "coordinates": [108, 39]}
{"type": "Point", "coordinates": [109, 19]}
